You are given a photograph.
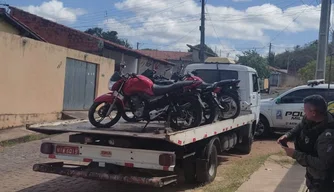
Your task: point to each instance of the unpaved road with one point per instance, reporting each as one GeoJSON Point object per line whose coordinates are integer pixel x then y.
{"type": "Point", "coordinates": [16, 172]}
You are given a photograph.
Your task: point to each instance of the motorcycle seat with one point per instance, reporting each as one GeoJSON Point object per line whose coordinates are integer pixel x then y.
{"type": "Point", "coordinates": [163, 89]}
{"type": "Point", "coordinates": [163, 82]}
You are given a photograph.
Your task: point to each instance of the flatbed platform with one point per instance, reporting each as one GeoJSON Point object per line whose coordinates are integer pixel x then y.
{"type": "Point", "coordinates": [126, 129]}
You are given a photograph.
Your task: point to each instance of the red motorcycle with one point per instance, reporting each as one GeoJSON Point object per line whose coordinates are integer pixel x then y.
{"type": "Point", "coordinates": [148, 101]}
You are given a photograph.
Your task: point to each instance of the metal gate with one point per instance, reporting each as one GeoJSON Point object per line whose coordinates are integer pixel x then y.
{"type": "Point", "coordinates": [80, 80]}
{"type": "Point", "coordinates": [274, 79]}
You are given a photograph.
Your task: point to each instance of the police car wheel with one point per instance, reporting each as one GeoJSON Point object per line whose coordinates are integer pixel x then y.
{"type": "Point", "coordinates": [262, 128]}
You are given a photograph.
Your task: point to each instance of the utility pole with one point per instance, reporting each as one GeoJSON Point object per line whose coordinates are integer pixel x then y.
{"type": "Point", "coordinates": [269, 54]}
{"type": "Point", "coordinates": [323, 39]}
{"type": "Point", "coordinates": [330, 63]}
{"type": "Point", "coordinates": [202, 29]}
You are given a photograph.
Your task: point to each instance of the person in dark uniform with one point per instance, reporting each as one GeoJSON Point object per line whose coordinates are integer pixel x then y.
{"type": "Point", "coordinates": [314, 142]}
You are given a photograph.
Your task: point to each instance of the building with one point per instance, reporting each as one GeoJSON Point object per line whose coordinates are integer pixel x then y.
{"type": "Point", "coordinates": [281, 78]}
{"type": "Point", "coordinates": [39, 80]}
{"type": "Point", "coordinates": [180, 59]}
{"type": "Point", "coordinates": [52, 32]}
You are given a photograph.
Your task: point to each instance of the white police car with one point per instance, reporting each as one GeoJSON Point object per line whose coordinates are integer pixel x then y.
{"type": "Point", "coordinates": [286, 111]}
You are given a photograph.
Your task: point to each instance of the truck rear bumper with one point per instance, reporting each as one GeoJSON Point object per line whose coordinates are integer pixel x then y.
{"type": "Point", "coordinates": [61, 168]}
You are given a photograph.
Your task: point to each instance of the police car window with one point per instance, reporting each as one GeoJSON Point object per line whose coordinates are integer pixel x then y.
{"type": "Point", "coordinates": [329, 96]}
{"type": "Point", "coordinates": [297, 96]}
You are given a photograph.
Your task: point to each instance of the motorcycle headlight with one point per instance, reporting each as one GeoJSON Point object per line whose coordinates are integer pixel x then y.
{"type": "Point", "coordinates": [110, 84]}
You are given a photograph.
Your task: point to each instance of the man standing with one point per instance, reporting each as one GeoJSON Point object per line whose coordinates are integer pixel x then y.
{"type": "Point", "coordinates": [314, 142]}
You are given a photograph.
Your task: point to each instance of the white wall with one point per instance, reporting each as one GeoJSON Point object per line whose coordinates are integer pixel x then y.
{"type": "Point", "coordinates": [130, 62]}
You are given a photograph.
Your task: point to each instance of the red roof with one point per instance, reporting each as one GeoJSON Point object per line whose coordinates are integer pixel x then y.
{"type": "Point", "coordinates": [62, 35]}
{"type": "Point", "coordinates": [167, 55]}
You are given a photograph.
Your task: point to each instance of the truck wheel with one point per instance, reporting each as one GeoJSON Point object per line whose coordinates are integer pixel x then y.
{"type": "Point", "coordinates": [262, 128]}
{"type": "Point", "coordinates": [245, 146]}
{"type": "Point", "coordinates": [206, 169]}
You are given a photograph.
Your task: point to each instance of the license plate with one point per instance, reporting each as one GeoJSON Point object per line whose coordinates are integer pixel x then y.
{"type": "Point", "coordinates": [68, 150]}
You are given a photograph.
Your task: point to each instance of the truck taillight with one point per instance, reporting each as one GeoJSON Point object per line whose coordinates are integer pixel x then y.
{"type": "Point", "coordinates": [47, 148]}
{"type": "Point", "coordinates": [167, 159]}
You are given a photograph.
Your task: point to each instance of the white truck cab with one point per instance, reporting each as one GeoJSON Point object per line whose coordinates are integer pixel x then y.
{"type": "Point", "coordinates": [249, 90]}
{"type": "Point", "coordinates": [287, 110]}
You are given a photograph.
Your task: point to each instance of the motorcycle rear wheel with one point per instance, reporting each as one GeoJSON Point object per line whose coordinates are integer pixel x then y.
{"type": "Point", "coordinates": [119, 109]}
{"type": "Point", "coordinates": [194, 108]}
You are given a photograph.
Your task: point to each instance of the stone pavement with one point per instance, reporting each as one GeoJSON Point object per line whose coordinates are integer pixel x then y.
{"type": "Point", "coordinates": [278, 174]}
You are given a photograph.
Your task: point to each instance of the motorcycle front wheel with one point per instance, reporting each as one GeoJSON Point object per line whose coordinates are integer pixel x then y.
{"type": "Point", "coordinates": [189, 111]}
{"type": "Point", "coordinates": [102, 114]}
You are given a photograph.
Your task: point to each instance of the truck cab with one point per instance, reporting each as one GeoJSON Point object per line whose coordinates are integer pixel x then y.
{"type": "Point", "coordinates": [217, 70]}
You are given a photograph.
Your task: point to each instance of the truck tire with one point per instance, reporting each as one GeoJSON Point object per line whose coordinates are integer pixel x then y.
{"type": "Point", "coordinates": [263, 128]}
{"type": "Point", "coordinates": [245, 146]}
{"type": "Point", "coordinates": [206, 168]}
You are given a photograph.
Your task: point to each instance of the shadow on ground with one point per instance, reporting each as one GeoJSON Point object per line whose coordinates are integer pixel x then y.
{"type": "Point", "coordinates": [293, 179]}
{"type": "Point", "coordinates": [72, 184]}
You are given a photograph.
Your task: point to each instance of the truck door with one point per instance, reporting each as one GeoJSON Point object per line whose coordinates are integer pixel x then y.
{"type": "Point", "coordinates": [255, 94]}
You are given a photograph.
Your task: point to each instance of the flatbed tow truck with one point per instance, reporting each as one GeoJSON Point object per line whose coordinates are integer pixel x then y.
{"type": "Point", "coordinates": [124, 153]}
{"type": "Point", "coordinates": [156, 158]}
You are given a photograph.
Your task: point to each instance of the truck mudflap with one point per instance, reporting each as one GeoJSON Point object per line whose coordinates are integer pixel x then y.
{"type": "Point", "coordinates": [71, 170]}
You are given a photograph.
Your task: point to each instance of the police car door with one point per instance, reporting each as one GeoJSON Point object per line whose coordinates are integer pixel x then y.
{"type": "Point", "coordinates": [289, 111]}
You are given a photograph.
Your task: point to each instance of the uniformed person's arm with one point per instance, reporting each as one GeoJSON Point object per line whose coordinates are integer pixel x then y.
{"type": "Point", "coordinates": [325, 151]}
{"type": "Point", "coordinates": [295, 131]}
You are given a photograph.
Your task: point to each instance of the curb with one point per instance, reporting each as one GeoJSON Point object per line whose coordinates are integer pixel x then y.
{"type": "Point", "coordinates": [22, 139]}
{"type": "Point", "coordinates": [303, 187]}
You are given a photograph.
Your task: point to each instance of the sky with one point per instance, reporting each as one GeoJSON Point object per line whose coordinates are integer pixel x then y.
{"type": "Point", "coordinates": [232, 26]}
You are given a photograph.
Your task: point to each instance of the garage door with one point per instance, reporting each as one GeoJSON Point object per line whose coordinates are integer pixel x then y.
{"type": "Point", "coordinates": [80, 80]}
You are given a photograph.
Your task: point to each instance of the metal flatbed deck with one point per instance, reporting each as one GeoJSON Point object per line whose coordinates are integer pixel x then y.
{"type": "Point", "coordinates": [180, 138]}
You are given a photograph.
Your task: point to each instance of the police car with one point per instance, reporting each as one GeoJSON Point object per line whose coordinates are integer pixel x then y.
{"type": "Point", "coordinates": [286, 111]}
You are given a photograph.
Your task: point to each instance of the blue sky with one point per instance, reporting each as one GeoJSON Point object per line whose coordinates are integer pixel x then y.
{"type": "Point", "coordinates": [232, 26]}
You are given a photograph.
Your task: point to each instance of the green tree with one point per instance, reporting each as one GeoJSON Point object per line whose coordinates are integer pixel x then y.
{"type": "Point", "coordinates": [308, 72]}
{"type": "Point", "coordinates": [296, 58]}
{"type": "Point", "coordinates": [108, 35]}
{"type": "Point", "coordinates": [253, 59]}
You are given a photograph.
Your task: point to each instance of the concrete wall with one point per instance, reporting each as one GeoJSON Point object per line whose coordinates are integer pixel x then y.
{"type": "Point", "coordinates": [32, 76]}
{"type": "Point", "coordinates": [130, 62]}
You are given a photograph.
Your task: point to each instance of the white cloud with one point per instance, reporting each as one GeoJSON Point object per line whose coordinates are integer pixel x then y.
{"type": "Point", "coordinates": [54, 10]}
{"type": "Point", "coordinates": [175, 23]}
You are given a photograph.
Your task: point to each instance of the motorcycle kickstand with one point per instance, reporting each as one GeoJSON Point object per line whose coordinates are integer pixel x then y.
{"type": "Point", "coordinates": [144, 128]}
{"type": "Point", "coordinates": [168, 129]}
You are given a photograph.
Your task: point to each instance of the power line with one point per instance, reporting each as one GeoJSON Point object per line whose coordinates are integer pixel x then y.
{"type": "Point", "coordinates": [215, 30]}
{"type": "Point", "coordinates": [272, 39]}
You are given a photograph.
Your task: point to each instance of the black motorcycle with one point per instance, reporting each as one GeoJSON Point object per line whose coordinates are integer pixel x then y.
{"type": "Point", "coordinates": [218, 98]}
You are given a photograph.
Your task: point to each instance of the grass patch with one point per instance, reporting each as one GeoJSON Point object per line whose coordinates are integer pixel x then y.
{"type": "Point", "coordinates": [24, 139]}
{"type": "Point", "coordinates": [232, 177]}
{"type": "Point", "coordinates": [285, 161]}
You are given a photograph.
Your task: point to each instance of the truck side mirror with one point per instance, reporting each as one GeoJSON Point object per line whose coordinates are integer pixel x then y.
{"type": "Point", "coordinates": [278, 101]}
